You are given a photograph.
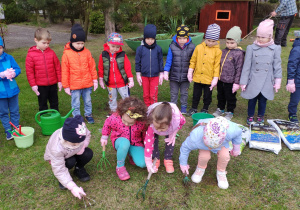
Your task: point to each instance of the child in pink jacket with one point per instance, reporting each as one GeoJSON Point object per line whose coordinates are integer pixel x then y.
{"type": "Point", "coordinates": [166, 120]}
{"type": "Point", "coordinates": [127, 127]}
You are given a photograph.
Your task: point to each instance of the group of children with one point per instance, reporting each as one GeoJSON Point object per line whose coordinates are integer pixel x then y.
{"type": "Point", "coordinates": [135, 125]}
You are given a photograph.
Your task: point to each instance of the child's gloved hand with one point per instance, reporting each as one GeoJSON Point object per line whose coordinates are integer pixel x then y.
{"type": "Point", "coordinates": [150, 167]}
{"type": "Point", "coordinates": [214, 83]}
{"type": "Point", "coordinates": [68, 91]}
{"type": "Point", "coordinates": [139, 78]}
{"type": "Point", "coordinates": [101, 82]}
{"type": "Point", "coordinates": [185, 169]}
{"type": "Point", "coordinates": [236, 150]}
{"type": "Point", "coordinates": [235, 87]}
{"type": "Point", "coordinates": [190, 75]}
{"type": "Point", "coordinates": [75, 190]}
{"type": "Point", "coordinates": [291, 87]}
{"type": "Point", "coordinates": [243, 87]}
{"type": "Point", "coordinates": [12, 74]}
{"type": "Point", "coordinates": [161, 78]}
{"type": "Point", "coordinates": [95, 84]}
{"type": "Point", "coordinates": [35, 89]}
{"type": "Point", "coordinates": [172, 138]}
{"type": "Point", "coordinates": [166, 75]}
{"type": "Point", "coordinates": [277, 84]}
{"type": "Point", "coordinates": [131, 82]}
{"type": "Point", "coordinates": [59, 86]}
{"type": "Point", "coordinates": [103, 140]}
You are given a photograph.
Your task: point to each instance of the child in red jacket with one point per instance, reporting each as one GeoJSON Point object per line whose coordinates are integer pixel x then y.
{"type": "Point", "coordinates": [43, 70]}
{"type": "Point", "coordinates": [115, 70]}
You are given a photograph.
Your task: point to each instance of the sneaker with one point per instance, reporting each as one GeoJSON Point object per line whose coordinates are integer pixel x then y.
{"type": "Point", "coordinates": [81, 174]}
{"type": "Point", "coordinates": [183, 109]}
{"type": "Point", "coordinates": [260, 119]}
{"type": "Point", "coordinates": [228, 115]}
{"type": "Point", "coordinates": [90, 119]}
{"type": "Point", "coordinates": [191, 112]}
{"type": "Point", "coordinates": [293, 118]}
{"type": "Point", "coordinates": [218, 112]}
{"type": "Point", "coordinates": [204, 111]}
{"type": "Point", "coordinates": [157, 164]}
{"type": "Point", "coordinates": [8, 135]}
{"type": "Point", "coordinates": [131, 160]}
{"type": "Point", "coordinates": [122, 173]}
{"type": "Point", "coordinates": [250, 120]}
{"type": "Point", "coordinates": [61, 186]}
{"type": "Point", "coordinates": [222, 180]}
{"type": "Point", "coordinates": [198, 174]}
{"type": "Point", "coordinates": [169, 166]}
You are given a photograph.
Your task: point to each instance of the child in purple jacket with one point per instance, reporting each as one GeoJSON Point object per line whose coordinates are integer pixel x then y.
{"type": "Point", "coordinates": [231, 63]}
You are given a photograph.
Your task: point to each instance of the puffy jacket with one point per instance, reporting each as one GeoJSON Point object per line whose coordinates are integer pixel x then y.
{"type": "Point", "coordinates": [178, 60]}
{"type": "Point", "coordinates": [78, 69]}
{"type": "Point", "coordinates": [206, 63]}
{"type": "Point", "coordinates": [293, 67]}
{"type": "Point", "coordinates": [56, 153]}
{"type": "Point", "coordinates": [8, 88]}
{"type": "Point", "coordinates": [149, 61]}
{"type": "Point", "coordinates": [231, 70]}
{"type": "Point", "coordinates": [42, 67]}
{"type": "Point", "coordinates": [135, 133]}
{"type": "Point", "coordinates": [115, 79]}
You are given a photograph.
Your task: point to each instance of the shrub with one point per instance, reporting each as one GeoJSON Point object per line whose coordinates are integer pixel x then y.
{"type": "Point", "coordinates": [97, 22]}
{"type": "Point", "coordinates": [128, 27]}
{"type": "Point", "coordinates": [264, 9]}
{"type": "Point", "coordinates": [14, 13]}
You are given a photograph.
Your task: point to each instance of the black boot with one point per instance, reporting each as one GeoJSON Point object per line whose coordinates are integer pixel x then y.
{"type": "Point", "coordinates": [61, 186]}
{"type": "Point", "coordinates": [81, 174]}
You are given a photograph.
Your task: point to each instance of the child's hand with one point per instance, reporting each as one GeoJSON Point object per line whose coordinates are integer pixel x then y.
{"type": "Point", "coordinates": [161, 78]}
{"type": "Point", "coordinates": [190, 75]}
{"type": "Point", "coordinates": [35, 89]}
{"type": "Point", "coordinates": [277, 84]}
{"type": "Point", "coordinates": [214, 83]}
{"type": "Point", "coordinates": [243, 87]}
{"type": "Point", "coordinates": [185, 169]}
{"type": "Point", "coordinates": [101, 83]}
{"type": "Point", "coordinates": [95, 84]}
{"type": "Point", "coordinates": [68, 91]}
{"type": "Point", "coordinates": [103, 142]}
{"type": "Point", "coordinates": [139, 78]}
{"type": "Point", "coordinates": [131, 82]}
{"type": "Point", "coordinates": [59, 86]}
{"type": "Point", "coordinates": [235, 87]}
{"type": "Point", "coordinates": [291, 87]}
{"type": "Point", "coordinates": [78, 192]}
{"type": "Point", "coordinates": [166, 75]}
{"type": "Point", "coordinates": [150, 167]}
{"type": "Point", "coordinates": [236, 150]}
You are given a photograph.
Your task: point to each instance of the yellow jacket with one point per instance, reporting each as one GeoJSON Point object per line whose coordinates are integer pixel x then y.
{"type": "Point", "coordinates": [206, 63]}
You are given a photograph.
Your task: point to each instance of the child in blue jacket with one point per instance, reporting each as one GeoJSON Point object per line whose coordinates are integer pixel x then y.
{"type": "Point", "coordinates": [9, 90]}
{"type": "Point", "coordinates": [149, 65]}
{"type": "Point", "coordinates": [178, 60]}
{"type": "Point", "coordinates": [293, 77]}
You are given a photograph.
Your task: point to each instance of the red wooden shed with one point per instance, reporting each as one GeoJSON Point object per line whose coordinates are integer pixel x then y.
{"type": "Point", "coordinates": [228, 14]}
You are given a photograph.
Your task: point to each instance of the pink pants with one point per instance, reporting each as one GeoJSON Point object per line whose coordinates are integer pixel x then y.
{"type": "Point", "coordinates": [150, 89]}
{"type": "Point", "coordinates": [223, 159]}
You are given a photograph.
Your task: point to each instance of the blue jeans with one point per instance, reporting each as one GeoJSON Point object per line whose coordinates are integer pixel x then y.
{"type": "Point", "coordinates": [86, 96]}
{"type": "Point", "coordinates": [124, 147]}
{"type": "Point", "coordinates": [262, 104]}
{"type": "Point", "coordinates": [294, 100]}
{"type": "Point", "coordinates": [11, 106]}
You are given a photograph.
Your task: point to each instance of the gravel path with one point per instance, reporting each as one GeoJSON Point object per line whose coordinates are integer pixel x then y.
{"type": "Point", "coordinates": [18, 36]}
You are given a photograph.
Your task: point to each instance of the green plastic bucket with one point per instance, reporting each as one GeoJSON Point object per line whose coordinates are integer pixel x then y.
{"type": "Point", "coordinates": [198, 116]}
{"type": "Point", "coordinates": [27, 140]}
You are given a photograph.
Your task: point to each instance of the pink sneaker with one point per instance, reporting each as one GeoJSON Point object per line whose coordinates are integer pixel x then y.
{"type": "Point", "coordinates": [122, 173]}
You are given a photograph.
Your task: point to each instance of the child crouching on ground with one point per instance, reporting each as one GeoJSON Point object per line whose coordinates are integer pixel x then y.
{"type": "Point", "coordinates": [127, 127]}
{"type": "Point", "coordinates": [211, 135]}
{"type": "Point", "coordinates": [66, 148]}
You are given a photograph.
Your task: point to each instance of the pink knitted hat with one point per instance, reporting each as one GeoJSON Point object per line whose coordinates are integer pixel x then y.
{"type": "Point", "coordinates": [265, 29]}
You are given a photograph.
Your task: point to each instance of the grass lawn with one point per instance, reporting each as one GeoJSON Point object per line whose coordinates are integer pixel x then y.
{"type": "Point", "coordinates": [257, 179]}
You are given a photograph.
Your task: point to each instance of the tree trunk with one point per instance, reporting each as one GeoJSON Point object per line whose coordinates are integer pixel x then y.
{"type": "Point", "coordinates": [109, 22]}
{"type": "Point", "coordinates": [37, 16]}
{"type": "Point", "coordinates": [87, 19]}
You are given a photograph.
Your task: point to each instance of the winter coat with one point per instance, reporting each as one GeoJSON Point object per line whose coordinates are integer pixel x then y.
{"type": "Point", "coordinates": [42, 67]}
{"type": "Point", "coordinates": [176, 124]}
{"type": "Point", "coordinates": [231, 71]}
{"type": "Point", "coordinates": [135, 133]}
{"type": "Point", "coordinates": [195, 140]}
{"type": "Point", "coordinates": [293, 67]}
{"type": "Point", "coordinates": [115, 79]}
{"type": "Point", "coordinates": [56, 153]}
{"type": "Point", "coordinates": [262, 65]}
{"type": "Point", "coordinates": [178, 60]}
{"type": "Point", "coordinates": [149, 61]}
{"type": "Point", "coordinates": [78, 69]}
{"type": "Point", "coordinates": [206, 63]}
{"type": "Point", "coordinates": [8, 88]}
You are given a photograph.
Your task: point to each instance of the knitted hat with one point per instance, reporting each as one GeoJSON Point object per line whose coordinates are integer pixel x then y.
{"type": "Point", "coordinates": [183, 31]}
{"type": "Point", "coordinates": [234, 33]}
{"type": "Point", "coordinates": [265, 29]}
{"type": "Point", "coordinates": [77, 33]}
{"type": "Point", "coordinates": [213, 32]}
{"type": "Point", "coordinates": [215, 132]}
{"type": "Point", "coordinates": [115, 38]}
{"type": "Point", "coordinates": [74, 129]}
{"type": "Point", "coordinates": [1, 42]}
{"type": "Point", "coordinates": [150, 31]}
